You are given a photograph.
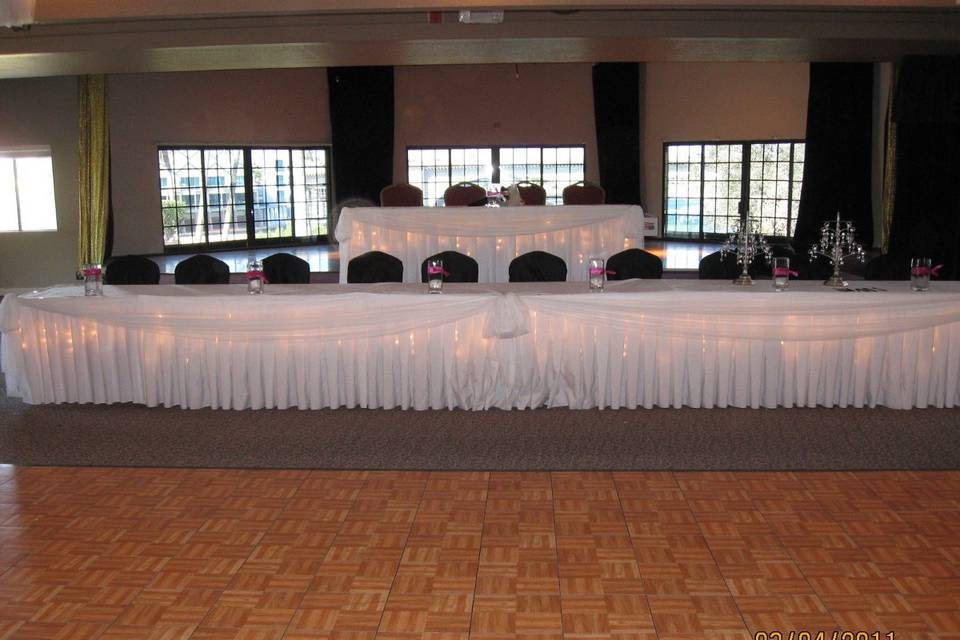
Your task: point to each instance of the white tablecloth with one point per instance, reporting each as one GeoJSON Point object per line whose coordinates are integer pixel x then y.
{"type": "Point", "coordinates": [667, 343]}
{"type": "Point", "coordinates": [493, 236]}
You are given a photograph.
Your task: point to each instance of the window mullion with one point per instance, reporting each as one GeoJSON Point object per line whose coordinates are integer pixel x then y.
{"type": "Point", "coordinates": [495, 159]}
{"type": "Point", "coordinates": [248, 194]}
{"type": "Point", "coordinates": [203, 196]}
{"type": "Point", "coordinates": [16, 193]}
{"type": "Point", "coordinates": [744, 211]}
{"type": "Point", "coordinates": [790, 192]}
{"type": "Point", "coordinates": [703, 174]}
{"type": "Point", "coordinates": [293, 211]}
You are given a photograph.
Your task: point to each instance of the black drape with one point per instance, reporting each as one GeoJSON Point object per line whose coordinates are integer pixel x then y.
{"type": "Point", "coordinates": [837, 165]}
{"type": "Point", "coordinates": [616, 100]}
{"type": "Point", "coordinates": [361, 121]}
{"type": "Point", "coordinates": [926, 205]}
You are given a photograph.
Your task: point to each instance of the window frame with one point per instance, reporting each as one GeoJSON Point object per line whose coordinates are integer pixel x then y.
{"type": "Point", "coordinates": [494, 159]}
{"type": "Point", "coordinates": [746, 146]}
{"type": "Point", "coordinates": [31, 151]}
{"type": "Point", "coordinates": [249, 202]}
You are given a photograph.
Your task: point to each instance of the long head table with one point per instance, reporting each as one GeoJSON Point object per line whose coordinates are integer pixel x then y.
{"type": "Point", "coordinates": [666, 343]}
{"type": "Point", "coordinates": [493, 236]}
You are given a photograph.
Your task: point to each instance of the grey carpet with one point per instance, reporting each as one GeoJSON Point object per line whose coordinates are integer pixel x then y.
{"type": "Point", "coordinates": [543, 439]}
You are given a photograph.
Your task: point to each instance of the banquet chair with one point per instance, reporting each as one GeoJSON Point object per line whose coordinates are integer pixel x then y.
{"type": "Point", "coordinates": [285, 268]}
{"type": "Point", "coordinates": [401, 194]}
{"type": "Point", "coordinates": [634, 263]}
{"type": "Point", "coordinates": [132, 270]}
{"type": "Point", "coordinates": [465, 194]}
{"type": "Point", "coordinates": [715, 266]}
{"type": "Point", "coordinates": [584, 192]}
{"type": "Point", "coordinates": [532, 194]}
{"type": "Point", "coordinates": [537, 266]}
{"type": "Point", "coordinates": [816, 269]}
{"type": "Point", "coordinates": [457, 267]}
{"type": "Point", "coordinates": [888, 266]}
{"type": "Point", "coordinates": [374, 266]}
{"type": "Point", "coordinates": [201, 269]}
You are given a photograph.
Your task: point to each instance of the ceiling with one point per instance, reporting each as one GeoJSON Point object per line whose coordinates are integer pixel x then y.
{"type": "Point", "coordinates": [69, 37]}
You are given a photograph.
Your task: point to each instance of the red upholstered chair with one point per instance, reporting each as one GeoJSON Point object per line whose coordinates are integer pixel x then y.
{"type": "Point", "coordinates": [532, 193]}
{"type": "Point", "coordinates": [464, 194]}
{"type": "Point", "coordinates": [401, 194]}
{"type": "Point", "coordinates": [584, 193]}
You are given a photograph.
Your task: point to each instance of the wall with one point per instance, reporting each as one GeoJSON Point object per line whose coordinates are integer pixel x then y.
{"type": "Point", "coordinates": [489, 105]}
{"type": "Point", "coordinates": [279, 106]}
{"type": "Point", "coordinates": [43, 111]}
{"type": "Point", "coordinates": [718, 101]}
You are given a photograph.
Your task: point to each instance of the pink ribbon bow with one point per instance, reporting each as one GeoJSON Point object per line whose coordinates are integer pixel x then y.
{"type": "Point", "coordinates": [784, 271]}
{"type": "Point", "coordinates": [926, 271]}
{"type": "Point", "coordinates": [597, 271]}
{"type": "Point", "coordinates": [91, 271]}
{"type": "Point", "coordinates": [433, 270]}
{"type": "Point", "coordinates": [254, 275]}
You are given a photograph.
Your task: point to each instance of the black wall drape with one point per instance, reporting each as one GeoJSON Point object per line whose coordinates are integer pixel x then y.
{"type": "Point", "coordinates": [361, 121]}
{"type": "Point", "coordinates": [616, 100]}
{"type": "Point", "coordinates": [926, 204]}
{"type": "Point", "coordinates": [837, 165]}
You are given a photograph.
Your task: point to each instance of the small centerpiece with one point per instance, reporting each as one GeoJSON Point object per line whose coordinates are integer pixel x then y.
{"type": "Point", "coordinates": [746, 243]}
{"type": "Point", "coordinates": [837, 243]}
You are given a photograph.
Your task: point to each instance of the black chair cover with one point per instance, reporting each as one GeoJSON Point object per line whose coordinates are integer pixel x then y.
{"type": "Point", "coordinates": [713, 266]}
{"type": "Point", "coordinates": [201, 269]}
{"type": "Point", "coordinates": [459, 267]}
{"type": "Point", "coordinates": [374, 266]}
{"type": "Point", "coordinates": [634, 263]}
{"type": "Point", "coordinates": [538, 266]}
{"type": "Point", "coordinates": [285, 268]}
{"type": "Point", "coordinates": [816, 269]}
{"type": "Point", "coordinates": [890, 266]}
{"type": "Point", "coordinates": [132, 270]}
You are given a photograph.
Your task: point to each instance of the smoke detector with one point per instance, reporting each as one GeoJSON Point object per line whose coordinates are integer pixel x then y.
{"type": "Point", "coordinates": [482, 17]}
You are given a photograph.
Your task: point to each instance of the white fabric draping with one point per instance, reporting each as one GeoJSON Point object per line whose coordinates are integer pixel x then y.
{"type": "Point", "coordinates": [640, 344]}
{"type": "Point", "coordinates": [493, 236]}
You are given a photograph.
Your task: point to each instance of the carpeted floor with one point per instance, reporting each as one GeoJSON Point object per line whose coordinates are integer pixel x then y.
{"type": "Point", "coordinates": [543, 439]}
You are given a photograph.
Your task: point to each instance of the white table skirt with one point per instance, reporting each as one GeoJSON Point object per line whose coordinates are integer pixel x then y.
{"type": "Point", "coordinates": [493, 236]}
{"type": "Point", "coordinates": [641, 344]}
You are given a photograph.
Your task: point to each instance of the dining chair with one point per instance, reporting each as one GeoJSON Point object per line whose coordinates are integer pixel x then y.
{"type": "Point", "coordinates": [584, 192]}
{"type": "Point", "coordinates": [465, 194]}
{"type": "Point", "coordinates": [401, 194]}
{"type": "Point", "coordinates": [286, 268]}
{"type": "Point", "coordinates": [718, 266]}
{"type": "Point", "coordinates": [457, 267]}
{"type": "Point", "coordinates": [537, 266]}
{"type": "Point", "coordinates": [131, 270]}
{"type": "Point", "coordinates": [201, 269]}
{"type": "Point", "coordinates": [532, 193]}
{"type": "Point", "coordinates": [374, 266]}
{"type": "Point", "coordinates": [634, 263]}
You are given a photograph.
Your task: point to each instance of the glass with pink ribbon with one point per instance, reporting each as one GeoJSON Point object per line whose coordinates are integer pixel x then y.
{"type": "Point", "coordinates": [92, 279]}
{"type": "Point", "coordinates": [920, 272]}
{"type": "Point", "coordinates": [782, 273]}
{"type": "Point", "coordinates": [597, 274]}
{"type": "Point", "coordinates": [255, 277]}
{"type": "Point", "coordinates": [435, 275]}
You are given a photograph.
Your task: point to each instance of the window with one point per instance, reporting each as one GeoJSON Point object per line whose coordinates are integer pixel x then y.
{"type": "Point", "coordinates": [704, 184]}
{"type": "Point", "coordinates": [435, 169]}
{"type": "Point", "coordinates": [289, 189]}
{"type": "Point", "coordinates": [26, 190]}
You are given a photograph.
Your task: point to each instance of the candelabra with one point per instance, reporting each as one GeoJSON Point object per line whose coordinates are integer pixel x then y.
{"type": "Point", "coordinates": [837, 243]}
{"type": "Point", "coordinates": [746, 244]}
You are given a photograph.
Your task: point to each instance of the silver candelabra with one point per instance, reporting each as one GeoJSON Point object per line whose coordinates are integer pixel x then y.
{"type": "Point", "coordinates": [837, 243]}
{"type": "Point", "coordinates": [746, 243]}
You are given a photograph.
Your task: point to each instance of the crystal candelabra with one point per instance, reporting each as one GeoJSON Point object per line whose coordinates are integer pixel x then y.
{"type": "Point", "coordinates": [837, 243]}
{"type": "Point", "coordinates": [746, 244]}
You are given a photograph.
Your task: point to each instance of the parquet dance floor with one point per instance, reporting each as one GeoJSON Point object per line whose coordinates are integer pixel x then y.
{"type": "Point", "coordinates": [141, 554]}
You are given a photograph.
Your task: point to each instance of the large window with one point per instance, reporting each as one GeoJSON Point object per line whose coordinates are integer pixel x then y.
{"type": "Point", "coordinates": [435, 169]}
{"type": "Point", "coordinates": [243, 194]}
{"type": "Point", "coordinates": [26, 190]}
{"type": "Point", "coordinates": [705, 184]}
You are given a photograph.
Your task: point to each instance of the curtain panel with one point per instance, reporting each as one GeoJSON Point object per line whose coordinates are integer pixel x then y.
{"type": "Point", "coordinates": [616, 104]}
{"type": "Point", "coordinates": [94, 175]}
{"type": "Point", "coordinates": [837, 165]}
{"type": "Point", "coordinates": [361, 123]}
{"type": "Point", "coordinates": [926, 200]}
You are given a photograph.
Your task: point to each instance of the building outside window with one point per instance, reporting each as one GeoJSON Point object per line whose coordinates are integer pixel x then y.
{"type": "Point", "coordinates": [705, 184]}
{"type": "Point", "coordinates": [434, 169]}
{"type": "Point", "coordinates": [288, 192]}
{"type": "Point", "coordinates": [27, 201]}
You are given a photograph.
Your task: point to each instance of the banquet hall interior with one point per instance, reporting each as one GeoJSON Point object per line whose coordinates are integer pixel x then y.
{"type": "Point", "coordinates": [527, 512]}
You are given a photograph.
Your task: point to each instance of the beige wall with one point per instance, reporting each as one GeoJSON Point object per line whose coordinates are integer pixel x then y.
{"type": "Point", "coordinates": [718, 101]}
{"type": "Point", "coordinates": [489, 105]}
{"type": "Point", "coordinates": [279, 106]}
{"type": "Point", "coordinates": [42, 112]}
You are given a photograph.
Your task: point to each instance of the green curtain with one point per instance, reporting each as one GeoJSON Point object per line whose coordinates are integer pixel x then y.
{"type": "Point", "coordinates": [94, 187]}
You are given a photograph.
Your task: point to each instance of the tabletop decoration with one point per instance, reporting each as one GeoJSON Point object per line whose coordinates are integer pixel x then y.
{"type": "Point", "coordinates": [597, 274]}
{"type": "Point", "coordinates": [837, 243]}
{"type": "Point", "coordinates": [255, 277]}
{"type": "Point", "coordinates": [746, 243]}
{"type": "Point", "coordinates": [92, 279]}
{"type": "Point", "coordinates": [435, 274]}
{"type": "Point", "coordinates": [920, 273]}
